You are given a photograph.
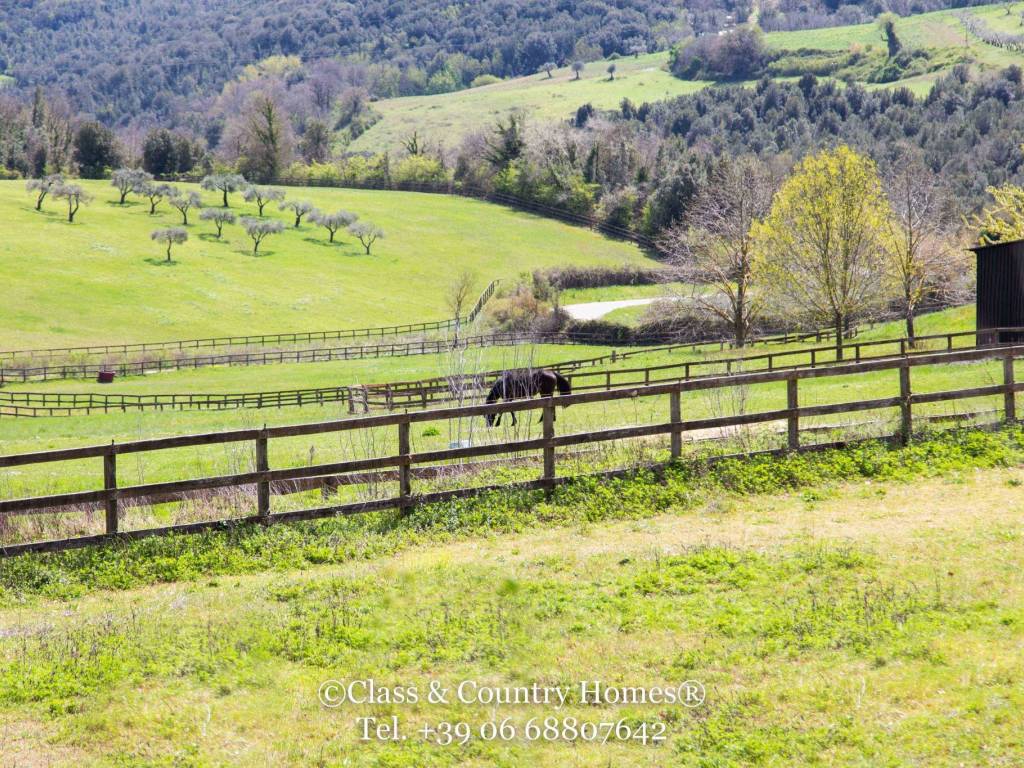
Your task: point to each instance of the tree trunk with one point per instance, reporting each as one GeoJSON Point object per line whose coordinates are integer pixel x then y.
{"type": "Point", "coordinates": [168, 250]}
{"type": "Point", "coordinates": [331, 238]}
{"type": "Point", "coordinates": [840, 322]}
{"type": "Point", "coordinates": [123, 196]}
{"type": "Point", "coordinates": [225, 198]}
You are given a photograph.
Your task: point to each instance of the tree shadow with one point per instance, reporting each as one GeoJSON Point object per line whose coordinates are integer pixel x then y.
{"type": "Point", "coordinates": [322, 242]}
{"type": "Point", "coordinates": [258, 255]}
{"type": "Point", "coordinates": [209, 237]}
{"type": "Point", "coordinates": [127, 204]}
{"type": "Point", "coordinates": [162, 262]}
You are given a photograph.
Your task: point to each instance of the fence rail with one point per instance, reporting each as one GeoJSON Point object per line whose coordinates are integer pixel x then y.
{"type": "Point", "coordinates": [256, 340]}
{"type": "Point", "coordinates": [112, 496]}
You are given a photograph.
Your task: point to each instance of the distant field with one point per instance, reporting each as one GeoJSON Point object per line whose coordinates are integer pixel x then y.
{"type": "Point", "coordinates": [103, 280]}
{"type": "Point", "coordinates": [446, 118]}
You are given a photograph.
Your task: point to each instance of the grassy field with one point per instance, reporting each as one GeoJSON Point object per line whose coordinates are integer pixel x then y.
{"type": "Point", "coordinates": [102, 280]}
{"type": "Point", "coordinates": [834, 608]}
{"type": "Point", "coordinates": [445, 119]}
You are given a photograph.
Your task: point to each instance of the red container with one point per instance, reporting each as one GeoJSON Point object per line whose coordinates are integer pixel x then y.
{"type": "Point", "coordinates": [105, 377]}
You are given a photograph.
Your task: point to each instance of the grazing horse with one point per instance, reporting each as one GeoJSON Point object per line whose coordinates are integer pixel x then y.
{"type": "Point", "coordinates": [524, 383]}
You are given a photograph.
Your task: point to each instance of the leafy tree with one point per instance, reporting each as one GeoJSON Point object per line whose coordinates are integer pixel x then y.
{"type": "Point", "coordinates": [95, 150]}
{"type": "Point", "coordinates": [548, 67]}
{"type": "Point", "coordinates": [611, 71]}
{"type": "Point", "coordinates": [260, 229]}
{"type": "Point", "coordinates": [223, 183]}
{"type": "Point", "coordinates": [577, 67]}
{"type": "Point", "coordinates": [171, 236]}
{"type": "Point", "coordinates": [219, 217]}
{"type": "Point", "coordinates": [820, 251]}
{"type": "Point", "coordinates": [507, 142]}
{"type": "Point", "coordinates": [300, 208]}
{"type": "Point", "coordinates": [165, 153]}
{"type": "Point", "coordinates": [262, 196]}
{"type": "Point", "coordinates": [75, 197]}
{"type": "Point", "coordinates": [184, 202]}
{"type": "Point", "coordinates": [366, 233]}
{"type": "Point", "coordinates": [127, 180]}
{"type": "Point", "coordinates": [887, 24]}
{"type": "Point", "coordinates": [155, 193]}
{"type": "Point", "coordinates": [1003, 220]}
{"type": "Point", "coordinates": [266, 139]}
{"type": "Point", "coordinates": [44, 186]}
{"type": "Point", "coordinates": [332, 222]}
{"type": "Point", "coordinates": [315, 145]}
{"type": "Point", "coordinates": [713, 247]}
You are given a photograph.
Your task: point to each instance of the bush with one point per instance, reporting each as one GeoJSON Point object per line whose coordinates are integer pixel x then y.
{"type": "Point", "coordinates": [562, 278]}
{"type": "Point", "coordinates": [481, 80]}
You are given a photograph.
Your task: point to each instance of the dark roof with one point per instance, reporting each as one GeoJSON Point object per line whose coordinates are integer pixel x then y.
{"type": "Point", "coordinates": [1002, 244]}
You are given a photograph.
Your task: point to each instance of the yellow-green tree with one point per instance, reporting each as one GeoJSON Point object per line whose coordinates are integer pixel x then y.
{"type": "Point", "coordinates": [1004, 219]}
{"type": "Point", "coordinates": [820, 251]}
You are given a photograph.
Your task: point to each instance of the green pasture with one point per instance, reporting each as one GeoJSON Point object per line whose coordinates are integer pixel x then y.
{"type": "Point", "coordinates": [102, 280]}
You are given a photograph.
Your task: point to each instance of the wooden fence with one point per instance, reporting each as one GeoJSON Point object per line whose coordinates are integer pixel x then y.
{"type": "Point", "coordinates": [425, 393]}
{"type": "Point", "coordinates": [255, 340]}
{"type": "Point", "coordinates": [112, 495]}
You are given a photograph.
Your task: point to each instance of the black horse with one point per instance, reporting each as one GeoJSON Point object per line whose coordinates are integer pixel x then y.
{"type": "Point", "coordinates": [524, 383]}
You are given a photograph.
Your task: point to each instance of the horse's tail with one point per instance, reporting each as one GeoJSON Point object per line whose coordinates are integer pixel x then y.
{"type": "Point", "coordinates": [564, 387]}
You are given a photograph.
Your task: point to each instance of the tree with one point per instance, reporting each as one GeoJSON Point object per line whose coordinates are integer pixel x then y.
{"type": "Point", "coordinates": [95, 150]}
{"type": "Point", "coordinates": [713, 247]}
{"type": "Point", "coordinates": [315, 145]}
{"type": "Point", "coordinates": [44, 186]}
{"type": "Point", "coordinates": [260, 229]}
{"type": "Point", "coordinates": [611, 71]}
{"type": "Point", "coordinates": [820, 250]}
{"type": "Point", "coordinates": [921, 259]}
{"type": "Point", "coordinates": [171, 236]}
{"type": "Point", "coordinates": [165, 153]}
{"type": "Point", "coordinates": [548, 67]}
{"type": "Point", "coordinates": [155, 193]}
{"type": "Point", "coordinates": [261, 196]}
{"type": "Point", "coordinates": [332, 222]}
{"type": "Point", "coordinates": [577, 67]}
{"type": "Point", "coordinates": [219, 217]}
{"type": "Point", "coordinates": [887, 24]}
{"type": "Point", "coordinates": [300, 208]}
{"type": "Point", "coordinates": [127, 180]}
{"type": "Point", "coordinates": [507, 142]}
{"type": "Point", "coordinates": [223, 183]}
{"type": "Point", "coordinates": [75, 196]}
{"type": "Point", "coordinates": [185, 202]}
{"type": "Point", "coordinates": [366, 233]}
{"type": "Point", "coordinates": [266, 139]}
{"type": "Point", "coordinates": [459, 292]}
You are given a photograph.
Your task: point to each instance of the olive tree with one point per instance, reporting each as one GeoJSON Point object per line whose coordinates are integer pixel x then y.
{"type": "Point", "coordinates": [821, 249]}
{"type": "Point", "coordinates": [223, 183]}
{"type": "Point", "coordinates": [219, 217]}
{"type": "Point", "coordinates": [261, 229]}
{"type": "Point", "coordinates": [332, 222]}
{"type": "Point", "coordinates": [366, 233]}
{"type": "Point", "coordinates": [185, 202]}
{"type": "Point", "coordinates": [171, 236]}
{"type": "Point", "coordinates": [300, 208]}
{"type": "Point", "coordinates": [75, 197]}
{"type": "Point", "coordinates": [128, 180]}
{"type": "Point", "coordinates": [44, 186]}
{"type": "Point", "coordinates": [577, 67]}
{"type": "Point", "coordinates": [262, 196]}
{"type": "Point", "coordinates": [548, 67]}
{"type": "Point", "coordinates": [155, 193]}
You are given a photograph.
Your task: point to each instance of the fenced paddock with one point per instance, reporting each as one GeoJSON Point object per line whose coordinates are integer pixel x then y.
{"type": "Point", "coordinates": [384, 466]}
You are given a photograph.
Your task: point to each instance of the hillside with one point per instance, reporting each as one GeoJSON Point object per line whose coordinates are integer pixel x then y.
{"type": "Point", "coordinates": [102, 279]}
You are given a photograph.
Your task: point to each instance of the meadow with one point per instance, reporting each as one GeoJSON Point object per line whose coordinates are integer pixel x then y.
{"type": "Point", "coordinates": [102, 279]}
{"type": "Point", "coordinates": [834, 607]}
{"type": "Point", "coordinates": [445, 119]}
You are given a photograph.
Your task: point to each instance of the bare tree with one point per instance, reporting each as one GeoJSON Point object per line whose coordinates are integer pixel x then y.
{"type": "Point", "coordinates": [44, 186]}
{"type": "Point", "coordinates": [332, 222]}
{"type": "Point", "coordinates": [922, 258]}
{"type": "Point", "coordinates": [219, 217]}
{"type": "Point", "coordinates": [262, 196]}
{"type": "Point", "coordinates": [459, 292]}
{"type": "Point", "coordinates": [75, 197]}
{"type": "Point", "coordinates": [300, 208]}
{"type": "Point", "coordinates": [260, 229]}
{"type": "Point", "coordinates": [223, 183]}
{"type": "Point", "coordinates": [127, 180]}
{"type": "Point", "coordinates": [184, 202]}
{"type": "Point", "coordinates": [171, 236]}
{"type": "Point", "coordinates": [713, 247]}
{"type": "Point", "coordinates": [366, 233]}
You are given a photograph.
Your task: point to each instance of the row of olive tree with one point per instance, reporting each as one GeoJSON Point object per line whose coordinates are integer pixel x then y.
{"type": "Point", "coordinates": [830, 243]}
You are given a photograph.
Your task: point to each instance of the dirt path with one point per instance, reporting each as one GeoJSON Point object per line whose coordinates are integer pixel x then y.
{"type": "Point", "coordinates": [596, 309]}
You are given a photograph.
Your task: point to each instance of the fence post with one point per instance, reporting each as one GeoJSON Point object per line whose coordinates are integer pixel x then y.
{"type": "Point", "coordinates": [262, 486]}
{"type": "Point", "coordinates": [793, 419]}
{"type": "Point", "coordinates": [110, 485]}
{"type": "Point", "coordinates": [404, 468]}
{"type": "Point", "coordinates": [675, 416]}
{"type": "Point", "coordinates": [906, 417]}
{"type": "Point", "coordinates": [549, 448]}
{"type": "Point", "coordinates": [1009, 398]}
